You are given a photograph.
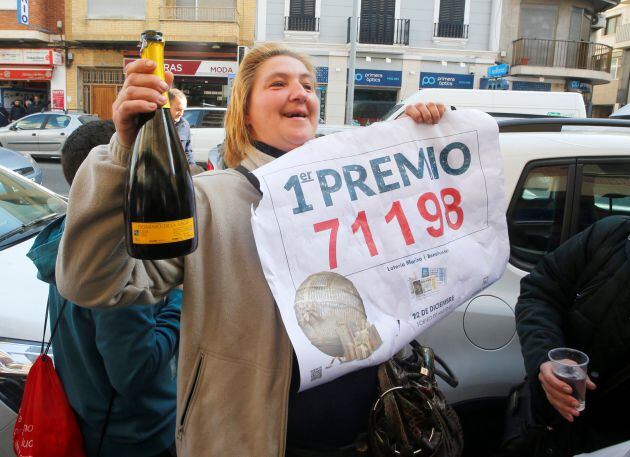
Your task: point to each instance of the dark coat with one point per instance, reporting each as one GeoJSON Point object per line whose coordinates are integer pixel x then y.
{"type": "Point", "coordinates": [17, 112]}
{"type": "Point", "coordinates": [579, 296]}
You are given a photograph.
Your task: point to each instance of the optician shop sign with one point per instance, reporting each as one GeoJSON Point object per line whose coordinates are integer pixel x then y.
{"type": "Point", "coordinates": [382, 78]}
{"type": "Point", "coordinates": [210, 68]}
{"type": "Point", "coordinates": [446, 80]}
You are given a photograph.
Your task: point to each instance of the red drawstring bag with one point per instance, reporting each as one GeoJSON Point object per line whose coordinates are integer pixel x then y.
{"type": "Point", "coordinates": [46, 425]}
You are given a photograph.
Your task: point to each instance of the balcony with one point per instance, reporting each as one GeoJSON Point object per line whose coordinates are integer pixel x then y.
{"type": "Point", "coordinates": [197, 14]}
{"type": "Point", "coordinates": [381, 29]}
{"type": "Point", "coordinates": [450, 30]}
{"type": "Point", "coordinates": [301, 24]}
{"type": "Point", "coordinates": [623, 36]}
{"type": "Point", "coordinates": [562, 58]}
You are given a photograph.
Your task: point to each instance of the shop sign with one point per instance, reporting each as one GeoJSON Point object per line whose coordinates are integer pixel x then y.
{"type": "Point", "coordinates": [382, 78]}
{"type": "Point", "coordinates": [497, 71]}
{"type": "Point", "coordinates": [57, 58]}
{"type": "Point", "coordinates": [446, 80]}
{"type": "Point", "coordinates": [209, 68]}
{"type": "Point", "coordinates": [26, 56]}
{"type": "Point", "coordinates": [578, 86]}
{"type": "Point", "coordinates": [30, 74]}
{"type": "Point", "coordinates": [58, 97]}
{"type": "Point", "coordinates": [322, 75]}
{"type": "Point", "coordinates": [22, 12]}
{"type": "Point", "coordinates": [531, 86]}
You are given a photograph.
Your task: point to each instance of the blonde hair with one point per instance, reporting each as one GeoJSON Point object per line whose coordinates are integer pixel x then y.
{"type": "Point", "coordinates": [237, 133]}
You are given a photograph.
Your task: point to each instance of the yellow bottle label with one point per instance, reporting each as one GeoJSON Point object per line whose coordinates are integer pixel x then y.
{"type": "Point", "coordinates": [162, 232]}
{"type": "Point", "coordinates": [154, 51]}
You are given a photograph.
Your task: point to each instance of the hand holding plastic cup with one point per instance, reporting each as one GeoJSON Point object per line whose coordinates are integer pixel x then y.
{"type": "Point", "coordinates": [570, 366]}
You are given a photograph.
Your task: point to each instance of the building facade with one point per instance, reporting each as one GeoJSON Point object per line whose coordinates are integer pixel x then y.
{"type": "Point", "coordinates": [31, 55]}
{"type": "Point", "coordinates": [403, 46]}
{"type": "Point", "coordinates": [202, 46]}
{"type": "Point", "coordinates": [615, 32]}
{"type": "Point", "coordinates": [549, 45]}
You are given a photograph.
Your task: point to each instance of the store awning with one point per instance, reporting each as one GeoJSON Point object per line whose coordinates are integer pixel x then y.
{"type": "Point", "coordinates": [25, 73]}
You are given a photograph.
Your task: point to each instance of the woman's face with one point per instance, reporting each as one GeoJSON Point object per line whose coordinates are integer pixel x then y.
{"type": "Point", "coordinates": [283, 107]}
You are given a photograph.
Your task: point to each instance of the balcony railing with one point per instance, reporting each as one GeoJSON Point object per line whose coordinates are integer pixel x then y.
{"type": "Point", "coordinates": [450, 30]}
{"type": "Point", "coordinates": [623, 33]}
{"type": "Point", "coordinates": [191, 13]}
{"type": "Point", "coordinates": [301, 23]}
{"type": "Point", "coordinates": [381, 29]}
{"type": "Point", "coordinates": [581, 55]}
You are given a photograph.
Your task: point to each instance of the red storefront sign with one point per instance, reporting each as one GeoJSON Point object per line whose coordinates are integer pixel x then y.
{"type": "Point", "coordinates": [58, 99]}
{"type": "Point", "coordinates": [30, 74]}
{"type": "Point", "coordinates": [209, 68]}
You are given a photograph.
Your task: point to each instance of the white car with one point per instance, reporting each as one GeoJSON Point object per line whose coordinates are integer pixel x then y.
{"type": "Point", "coordinates": [42, 134]}
{"type": "Point", "coordinates": [25, 209]}
{"type": "Point", "coordinates": [206, 130]}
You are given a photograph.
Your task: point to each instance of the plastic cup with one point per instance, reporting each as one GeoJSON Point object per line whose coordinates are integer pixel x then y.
{"type": "Point", "coordinates": [570, 365]}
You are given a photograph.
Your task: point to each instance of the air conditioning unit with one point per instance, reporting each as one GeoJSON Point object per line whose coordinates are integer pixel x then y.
{"type": "Point", "coordinates": [242, 50]}
{"type": "Point", "coordinates": [598, 22]}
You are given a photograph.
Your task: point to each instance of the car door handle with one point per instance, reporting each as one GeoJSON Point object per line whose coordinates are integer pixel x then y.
{"type": "Point", "coordinates": [62, 134]}
{"type": "Point", "coordinates": [34, 134]}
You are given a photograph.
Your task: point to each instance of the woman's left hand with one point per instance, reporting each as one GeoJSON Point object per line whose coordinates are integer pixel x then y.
{"type": "Point", "coordinates": [429, 113]}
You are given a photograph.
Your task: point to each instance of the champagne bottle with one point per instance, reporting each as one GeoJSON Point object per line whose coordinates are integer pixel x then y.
{"type": "Point", "coordinates": [160, 215]}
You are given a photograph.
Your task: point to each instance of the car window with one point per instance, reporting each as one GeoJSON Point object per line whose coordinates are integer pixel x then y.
{"type": "Point", "coordinates": [57, 121]}
{"type": "Point", "coordinates": [212, 119]}
{"type": "Point", "coordinates": [605, 191]}
{"type": "Point", "coordinates": [191, 117]}
{"type": "Point", "coordinates": [31, 122]}
{"type": "Point", "coordinates": [84, 119]}
{"type": "Point", "coordinates": [535, 222]}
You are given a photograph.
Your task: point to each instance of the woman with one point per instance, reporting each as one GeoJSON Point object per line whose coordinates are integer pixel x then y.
{"type": "Point", "coordinates": [235, 360]}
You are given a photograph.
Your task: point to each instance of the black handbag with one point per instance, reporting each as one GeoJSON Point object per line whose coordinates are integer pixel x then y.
{"type": "Point", "coordinates": [411, 416]}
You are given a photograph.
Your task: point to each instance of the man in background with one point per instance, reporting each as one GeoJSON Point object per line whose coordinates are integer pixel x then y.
{"type": "Point", "coordinates": [178, 103]}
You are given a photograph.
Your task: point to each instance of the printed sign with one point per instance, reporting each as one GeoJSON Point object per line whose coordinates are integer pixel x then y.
{"type": "Point", "coordinates": [31, 74]}
{"type": "Point", "coordinates": [387, 78]}
{"type": "Point", "coordinates": [322, 75]}
{"type": "Point", "coordinates": [22, 12]}
{"type": "Point", "coordinates": [58, 99]}
{"type": "Point", "coordinates": [210, 68]}
{"type": "Point", "coordinates": [370, 236]}
{"type": "Point", "coordinates": [26, 56]}
{"type": "Point", "coordinates": [446, 80]}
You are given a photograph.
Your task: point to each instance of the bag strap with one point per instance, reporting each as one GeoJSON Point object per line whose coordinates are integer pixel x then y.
{"type": "Point", "coordinates": [105, 424]}
{"type": "Point", "coordinates": [253, 180]}
{"type": "Point", "coordinates": [54, 329]}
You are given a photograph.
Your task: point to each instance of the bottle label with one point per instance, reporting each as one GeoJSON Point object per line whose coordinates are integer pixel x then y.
{"type": "Point", "coordinates": [162, 232]}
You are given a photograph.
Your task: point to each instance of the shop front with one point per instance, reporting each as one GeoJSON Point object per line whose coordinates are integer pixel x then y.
{"type": "Point", "coordinates": [376, 92]}
{"type": "Point", "coordinates": [322, 87]}
{"type": "Point", "coordinates": [446, 80]}
{"type": "Point", "coordinates": [205, 82]}
{"type": "Point", "coordinates": [26, 73]}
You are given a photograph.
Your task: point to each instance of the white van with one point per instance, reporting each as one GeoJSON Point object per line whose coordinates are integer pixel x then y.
{"type": "Point", "coordinates": [500, 103]}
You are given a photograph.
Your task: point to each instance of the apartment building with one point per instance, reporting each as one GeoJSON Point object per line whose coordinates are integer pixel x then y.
{"type": "Point", "coordinates": [403, 46]}
{"type": "Point", "coordinates": [202, 46]}
{"type": "Point", "coordinates": [31, 54]}
{"type": "Point", "coordinates": [614, 31]}
{"type": "Point", "coordinates": [549, 47]}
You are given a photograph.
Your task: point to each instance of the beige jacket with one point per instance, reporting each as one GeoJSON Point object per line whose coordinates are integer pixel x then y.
{"type": "Point", "coordinates": [235, 356]}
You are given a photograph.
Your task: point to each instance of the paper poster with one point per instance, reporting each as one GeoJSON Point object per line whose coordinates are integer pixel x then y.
{"type": "Point", "coordinates": [370, 236]}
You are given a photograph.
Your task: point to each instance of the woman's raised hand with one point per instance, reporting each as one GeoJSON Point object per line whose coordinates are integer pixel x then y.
{"type": "Point", "coordinates": [142, 92]}
{"type": "Point", "coordinates": [429, 113]}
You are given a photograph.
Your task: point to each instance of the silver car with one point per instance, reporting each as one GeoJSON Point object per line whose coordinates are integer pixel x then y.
{"type": "Point", "coordinates": [22, 163]}
{"type": "Point", "coordinates": [42, 134]}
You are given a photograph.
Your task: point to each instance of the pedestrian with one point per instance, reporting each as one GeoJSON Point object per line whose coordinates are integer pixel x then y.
{"type": "Point", "coordinates": [237, 390]}
{"type": "Point", "coordinates": [37, 106]}
{"type": "Point", "coordinates": [579, 297]}
{"type": "Point", "coordinates": [178, 102]}
{"type": "Point", "coordinates": [17, 110]}
{"type": "Point", "coordinates": [114, 364]}
{"type": "Point", "coordinates": [4, 116]}
{"type": "Point", "coordinates": [27, 106]}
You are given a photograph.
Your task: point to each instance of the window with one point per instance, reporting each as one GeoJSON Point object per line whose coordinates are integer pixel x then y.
{"type": "Point", "coordinates": [605, 191]}
{"type": "Point", "coordinates": [451, 20]}
{"type": "Point", "coordinates": [614, 67]}
{"type": "Point", "coordinates": [612, 24]}
{"type": "Point", "coordinates": [538, 21]}
{"type": "Point", "coordinates": [213, 119]}
{"type": "Point", "coordinates": [302, 16]}
{"type": "Point", "coordinates": [57, 121]}
{"type": "Point", "coordinates": [31, 122]}
{"type": "Point", "coordinates": [116, 9]}
{"type": "Point", "coordinates": [535, 220]}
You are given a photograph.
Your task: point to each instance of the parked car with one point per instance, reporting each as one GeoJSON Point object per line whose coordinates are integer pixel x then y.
{"type": "Point", "coordinates": [22, 163]}
{"type": "Point", "coordinates": [561, 175]}
{"type": "Point", "coordinates": [206, 130]}
{"type": "Point", "coordinates": [25, 209]}
{"type": "Point", "coordinates": [42, 134]}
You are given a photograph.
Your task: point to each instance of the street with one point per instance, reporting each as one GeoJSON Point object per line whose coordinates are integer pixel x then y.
{"type": "Point", "coordinates": [53, 176]}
